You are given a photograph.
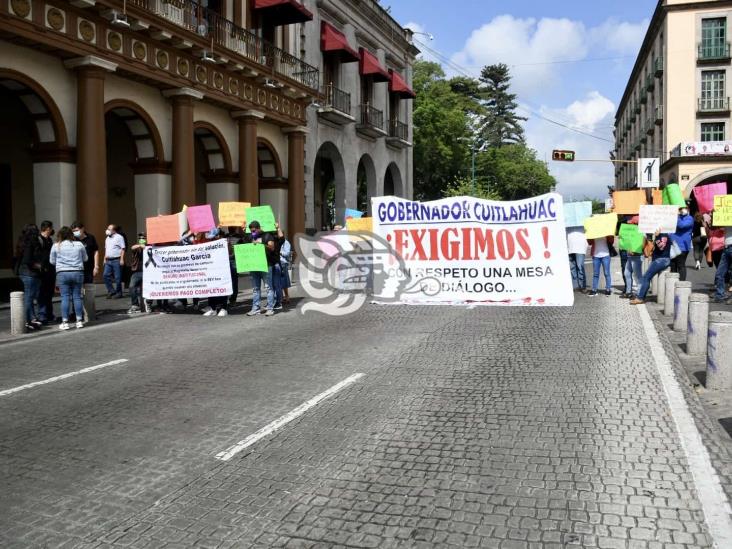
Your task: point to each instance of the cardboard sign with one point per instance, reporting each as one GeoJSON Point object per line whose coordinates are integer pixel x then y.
{"type": "Point", "coordinates": [575, 213]}
{"type": "Point", "coordinates": [233, 214]}
{"type": "Point", "coordinates": [264, 215]}
{"type": "Point", "coordinates": [163, 229]}
{"type": "Point", "coordinates": [200, 218]}
{"type": "Point", "coordinates": [722, 211]}
{"type": "Point", "coordinates": [355, 214]}
{"type": "Point", "coordinates": [601, 225]}
{"type": "Point", "coordinates": [631, 239]}
{"type": "Point", "coordinates": [658, 218]}
{"type": "Point", "coordinates": [705, 195]}
{"type": "Point", "coordinates": [250, 258]}
{"type": "Point", "coordinates": [657, 197]}
{"type": "Point", "coordinates": [672, 195]}
{"type": "Point", "coordinates": [365, 224]}
{"type": "Point", "coordinates": [628, 202]}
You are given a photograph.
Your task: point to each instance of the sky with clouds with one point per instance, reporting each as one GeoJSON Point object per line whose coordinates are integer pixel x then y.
{"type": "Point", "coordinates": [570, 61]}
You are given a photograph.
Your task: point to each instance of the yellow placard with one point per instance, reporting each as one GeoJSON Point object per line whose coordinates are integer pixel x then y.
{"type": "Point", "coordinates": [629, 202]}
{"type": "Point", "coordinates": [722, 216]}
{"type": "Point", "coordinates": [233, 214]}
{"type": "Point", "coordinates": [601, 225]}
{"type": "Point", "coordinates": [364, 224]}
{"type": "Point", "coordinates": [657, 197]}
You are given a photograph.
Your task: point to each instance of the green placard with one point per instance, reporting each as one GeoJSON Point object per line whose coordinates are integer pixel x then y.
{"type": "Point", "coordinates": [631, 239]}
{"type": "Point", "coordinates": [250, 258]}
{"type": "Point", "coordinates": [672, 195]}
{"type": "Point", "coordinates": [264, 215]}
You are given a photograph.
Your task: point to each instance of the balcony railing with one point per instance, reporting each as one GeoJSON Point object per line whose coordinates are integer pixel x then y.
{"type": "Point", "coordinates": [720, 104]}
{"type": "Point", "coordinates": [208, 24]}
{"type": "Point", "coordinates": [658, 66]}
{"type": "Point", "coordinates": [659, 114]}
{"type": "Point", "coordinates": [714, 50]}
{"type": "Point", "coordinates": [338, 99]}
{"type": "Point", "coordinates": [372, 117]}
{"type": "Point", "coordinates": [650, 126]}
{"type": "Point", "coordinates": [650, 82]}
{"type": "Point", "coordinates": [398, 130]}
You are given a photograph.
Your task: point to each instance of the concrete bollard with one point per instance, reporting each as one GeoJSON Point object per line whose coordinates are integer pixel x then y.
{"type": "Point", "coordinates": [698, 324]}
{"type": "Point", "coordinates": [661, 287]}
{"type": "Point", "coordinates": [17, 313]}
{"type": "Point", "coordinates": [668, 300]}
{"type": "Point", "coordinates": [90, 304]}
{"type": "Point", "coordinates": [681, 306]}
{"type": "Point", "coordinates": [719, 351]}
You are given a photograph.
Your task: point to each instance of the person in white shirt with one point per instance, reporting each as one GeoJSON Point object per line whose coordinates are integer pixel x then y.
{"type": "Point", "coordinates": [114, 260]}
{"type": "Point", "coordinates": [601, 259]}
{"type": "Point", "coordinates": [577, 249]}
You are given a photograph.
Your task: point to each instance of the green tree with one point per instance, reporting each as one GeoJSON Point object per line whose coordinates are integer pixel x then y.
{"type": "Point", "coordinates": [463, 186]}
{"type": "Point", "coordinates": [441, 131]}
{"type": "Point", "coordinates": [500, 125]}
{"type": "Point", "coordinates": [513, 172]}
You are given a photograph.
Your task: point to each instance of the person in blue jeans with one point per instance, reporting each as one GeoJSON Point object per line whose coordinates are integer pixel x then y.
{"type": "Point", "coordinates": [28, 266]}
{"type": "Point", "coordinates": [633, 269]}
{"type": "Point", "coordinates": [661, 259]}
{"type": "Point", "coordinates": [601, 259]}
{"type": "Point", "coordinates": [114, 260]}
{"type": "Point", "coordinates": [725, 264]}
{"type": "Point", "coordinates": [272, 246]}
{"type": "Point", "coordinates": [68, 256]}
{"type": "Point", "coordinates": [577, 248]}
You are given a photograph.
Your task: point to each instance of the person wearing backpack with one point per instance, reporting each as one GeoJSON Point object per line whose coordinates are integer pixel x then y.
{"type": "Point", "coordinates": [68, 256]}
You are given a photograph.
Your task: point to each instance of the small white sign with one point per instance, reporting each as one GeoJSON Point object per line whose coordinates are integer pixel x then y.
{"type": "Point", "coordinates": [649, 172]}
{"type": "Point", "coordinates": [658, 218]}
{"type": "Point", "coordinates": [609, 205]}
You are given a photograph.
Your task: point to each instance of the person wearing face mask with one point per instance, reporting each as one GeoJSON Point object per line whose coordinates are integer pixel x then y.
{"type": "Point", "coordinates": [682, 238]}
{"type": "Point", "coordinates": [48, 276]}
{"type": "Point", "coordinates": [136, 262]}
{"type": "Point", "coordinates": [114, 260]}
{"type": "Point", "coordinates": [91, 265]}
{"type": "Point", "coordinates": [272, 251]}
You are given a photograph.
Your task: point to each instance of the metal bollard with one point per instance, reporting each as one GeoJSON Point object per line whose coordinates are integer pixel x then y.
{"type": "Point", "coordinates": [719, 351]}
{"type": "Point", "coordinates": [17, 313]}
{"type": "Point", "coordinates": [90, 305]}
{"type": "Point", "coordinates": [668, 300]}
{"type": "Point", "coordinates": [696, 331]}
{"type": "Point", "coordinates": [681, 306]}
{"type": "Point", "coordinates": [661, 287]}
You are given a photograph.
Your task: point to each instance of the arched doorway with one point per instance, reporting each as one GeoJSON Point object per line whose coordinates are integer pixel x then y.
{"type": "Point", "coordinates": [133, 145]}
{"type": "Point", "coordinates": [366, 181]}
{"type": "Point", "coordinates": [214, 179]}
{"type": "Point", "coordinates": [393, 181]}
{"type": "Point", "coordinates": [273, 187]}
{"type": "Point", "coordinates": [36, 167]}
{"type": "Point", "coordinates": [329, 187]}
{"type": "Point", "coordinates": [721, 175]}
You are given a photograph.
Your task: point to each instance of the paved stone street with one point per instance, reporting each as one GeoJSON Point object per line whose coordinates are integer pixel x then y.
{"type": "Point", "coordinates": [506, 428]}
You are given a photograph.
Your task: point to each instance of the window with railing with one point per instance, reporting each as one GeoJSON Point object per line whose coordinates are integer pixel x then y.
{"type": "Point", "coordinates": [712, 131]}
{"type": "Point", "coordinates": [338, 99]}
{"type": "Point", "coordinates": [399, 130]}
{"type": "Point", "coordinates": [713, 93]}
{"type": "Point", "coordinates": [372, 117]}
{"type": "Point", "coordinates": [714, 43]}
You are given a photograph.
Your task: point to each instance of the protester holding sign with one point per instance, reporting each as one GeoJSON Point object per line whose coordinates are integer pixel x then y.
{"type": "Point", "coordinates": [661, 257]}
{"type": "Point", "coordinates": [577, 248]}
{"type": "Point", "coordinates": [725, 264]}
{"type": "Point", "coordinates": [698, 239]}
{"type": "Point", "coordinates": [682, 239]}
{"type": "Point", "coordinates": [136, 304]}
{"type": "Point", "coordinates": [601, 258]}
{"type": "Point", "coordinates": [632, 243]}
{"type": "Point", "coordinates": [272, 250]}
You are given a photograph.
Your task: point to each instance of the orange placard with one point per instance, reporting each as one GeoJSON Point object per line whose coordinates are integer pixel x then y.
{"type": "Point", "coordinates": [629, 202]}
{"type": "Point", "coordinates": [657, 197]}
{"type": "Point", "coordinates": [163, 229]}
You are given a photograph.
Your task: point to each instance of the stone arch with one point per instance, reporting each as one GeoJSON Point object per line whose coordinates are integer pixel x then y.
{"type": "Point", "coordinates": [329, 189]}
{"type": "Point", "coordinates": [147, 142]}
{"type": "Point", "coordinates": [212, 142]}
{"type": "Point", "coordinates": [268, 161]}
{"type": "Point", "coordinates": [49, 126]}
{"type": "Point", "coordinates": [367, 183]}
{"type": "Point", "coordinates": [393, 181]}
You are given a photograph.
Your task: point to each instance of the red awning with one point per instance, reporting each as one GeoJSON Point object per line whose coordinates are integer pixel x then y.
{"type": "Point", "coordinates": [370, 66]}
{"type": "Point", "coordinates": [335, 42]}
{"type": "Point", "coordinates": [398, 86]}
{"type": "Point", "coordinates": [282, 12]}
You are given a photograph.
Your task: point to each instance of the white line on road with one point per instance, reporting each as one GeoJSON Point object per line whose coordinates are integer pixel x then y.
{"type": "Point", "coordinates": [226, 455]}
{"type": "Point", "coordinates": [709, 490]}
{"type": "Point", "coordinates": [7, 392]}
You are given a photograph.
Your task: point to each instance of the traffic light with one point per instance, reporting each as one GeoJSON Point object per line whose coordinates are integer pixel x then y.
{"type": "Point", "coordinates": [563, 156]}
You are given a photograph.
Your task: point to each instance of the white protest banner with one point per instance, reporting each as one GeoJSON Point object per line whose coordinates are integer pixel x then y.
{"type": "Point", "coordinates": [467, 250]}
{"type": "Point", "coordinates": [658, 218]}
{"type": "Point", "coordinates": [180, 272]}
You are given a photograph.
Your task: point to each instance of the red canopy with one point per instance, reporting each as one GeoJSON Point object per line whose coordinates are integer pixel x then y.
{"type": "Point", "coordinates": [398, 86]}
{"type": "Point", "coordinates": [370, 66]}
{"type": "Point", "coordinates": [282, 12]}
{"type": "Point", "coordinates": [334, 41]}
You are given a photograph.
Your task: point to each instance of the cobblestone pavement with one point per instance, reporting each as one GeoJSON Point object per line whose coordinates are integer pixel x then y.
{"type": "Point", "coordinates": [506, 428]}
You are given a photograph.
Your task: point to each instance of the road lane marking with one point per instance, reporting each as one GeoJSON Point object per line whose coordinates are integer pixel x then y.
{"type": "Point", "coordinates": [7, 392]}
{"type": "Point", "coordinates": [226, 455]}
{"type": "Point", "coordinates": [708, 487]}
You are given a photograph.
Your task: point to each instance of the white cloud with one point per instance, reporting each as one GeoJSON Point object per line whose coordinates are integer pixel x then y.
{"type": "Point", "coordinates": [621, 37]}
{"type": "Point", "coordinates": [590, 112]}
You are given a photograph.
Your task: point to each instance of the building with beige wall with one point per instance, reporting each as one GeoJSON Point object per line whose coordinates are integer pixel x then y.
{"type": "Point", "coordinates": [676, 104]}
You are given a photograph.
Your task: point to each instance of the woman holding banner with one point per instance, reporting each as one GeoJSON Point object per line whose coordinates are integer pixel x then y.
{"type": "Point", "coordinates": [661, 259]}
{"type": "Point", "coordinates": [682, 238]}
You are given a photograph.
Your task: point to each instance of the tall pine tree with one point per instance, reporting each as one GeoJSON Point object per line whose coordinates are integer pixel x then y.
{"type": "Point", "coordinates": [500, 125]}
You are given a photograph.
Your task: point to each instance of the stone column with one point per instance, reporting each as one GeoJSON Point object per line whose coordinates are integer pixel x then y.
{"type": "Point", "coordinates": [184, 179]}
{"type": "Point", "coordinates": [248, 165]}
{"type": "Point", "coordinates": [224, 188]}
{"type": "Point", "coordinates": [54, 185]}
{"type": "Point", "coordinates": [153, 189]}
{"type": "Point", "coordinates": [296, 177]}
{"type": "Point", "coordinates": [91, 144]}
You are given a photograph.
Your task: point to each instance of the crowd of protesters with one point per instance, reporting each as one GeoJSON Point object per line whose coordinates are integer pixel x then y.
{"type": "Point", "coordinates": [694, 234]}
{"type": "Point", "coordinates": [74, 258]}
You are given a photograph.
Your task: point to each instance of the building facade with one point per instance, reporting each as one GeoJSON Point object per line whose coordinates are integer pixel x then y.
{"type": "Point", "coordinates": [676, 104]}
{"type": "Point", "coordinates": [117, 110]}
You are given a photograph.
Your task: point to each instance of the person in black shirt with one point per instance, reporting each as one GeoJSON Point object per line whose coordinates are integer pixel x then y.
{"type": "Point", "coordinates": [28, 266]}
{"type": "Point", "coordinates": [91, 265]}
{"type": "Point", "coordinates": [272, 243]}
{"type": "Point", "coordinates": [48, 276]}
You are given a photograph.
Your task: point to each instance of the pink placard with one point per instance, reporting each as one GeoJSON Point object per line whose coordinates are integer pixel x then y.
{"type": "Point", "coordinates": [705, 195]}
{"type": "Point", "coordinates": [200, 218]}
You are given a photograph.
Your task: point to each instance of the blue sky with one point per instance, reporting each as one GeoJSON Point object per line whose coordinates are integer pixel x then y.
{"type": "Point", "coordinates": [570, 59]}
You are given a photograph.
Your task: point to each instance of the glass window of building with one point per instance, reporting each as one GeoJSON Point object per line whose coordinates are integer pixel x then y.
{"type": "Point", "coordinates": [712, 131]}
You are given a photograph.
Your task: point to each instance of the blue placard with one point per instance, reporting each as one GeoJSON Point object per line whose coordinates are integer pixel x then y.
{"type": "Point", "coordinates": [353, 213]}
{"type": "Point", "coordinates": [575, 213]}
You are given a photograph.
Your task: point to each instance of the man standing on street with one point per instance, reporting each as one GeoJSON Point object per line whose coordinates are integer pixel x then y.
{"type": "Point", "coordinates": [48, 276]}
{"type": "Point", "coordinates": [114, 260]}
{"type": "Point", "coordinates": [91, 265]}
{"type": "Point", "coordinates": [577, 249]}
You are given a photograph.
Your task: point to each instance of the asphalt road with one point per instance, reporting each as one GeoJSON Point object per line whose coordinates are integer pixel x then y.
{"type": "Point", "coordinates": [488, 427]}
